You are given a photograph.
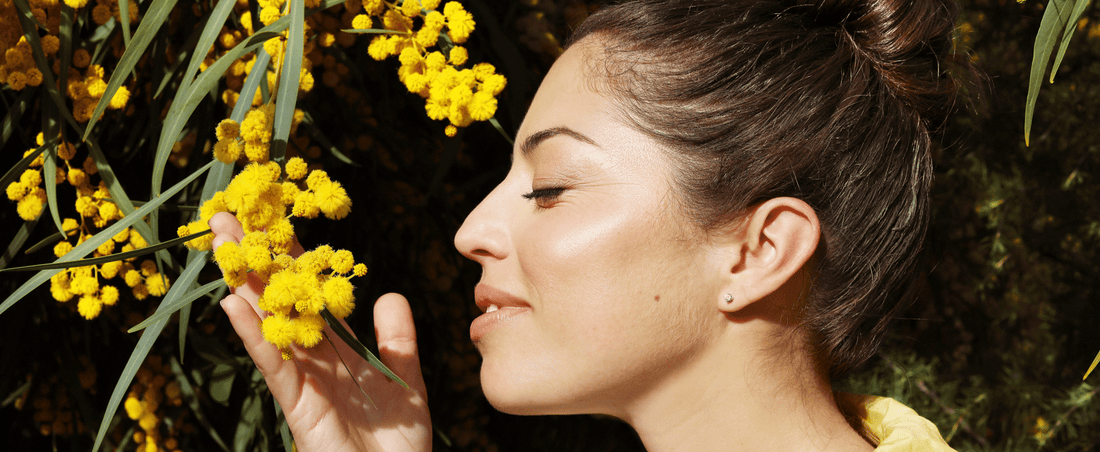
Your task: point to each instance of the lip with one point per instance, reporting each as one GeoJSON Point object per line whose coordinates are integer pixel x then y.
{"type": "Point", "coordinates": [510, 307]}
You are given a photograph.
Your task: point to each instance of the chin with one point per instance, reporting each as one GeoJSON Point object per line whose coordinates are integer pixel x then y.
{"type": "Point", "coordinates": [509, 392]}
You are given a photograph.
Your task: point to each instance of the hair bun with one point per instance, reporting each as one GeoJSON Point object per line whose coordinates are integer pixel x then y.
{"type": "Point", "coordinates": [908, 43]}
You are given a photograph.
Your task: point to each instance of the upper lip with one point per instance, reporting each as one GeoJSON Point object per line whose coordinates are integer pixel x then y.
{"type": "Point", "coordinates": [485, 296]}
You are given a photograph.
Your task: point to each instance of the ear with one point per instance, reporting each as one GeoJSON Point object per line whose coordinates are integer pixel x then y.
{"type": "Point", "coordinates": [778, 238]}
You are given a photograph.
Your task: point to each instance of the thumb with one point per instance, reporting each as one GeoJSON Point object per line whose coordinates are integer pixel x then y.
{"type": "Point", "coordinates": [396, 334]}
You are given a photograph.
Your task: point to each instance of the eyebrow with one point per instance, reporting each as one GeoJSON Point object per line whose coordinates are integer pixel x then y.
{"type": "Point", "coordinates": [536, 138]}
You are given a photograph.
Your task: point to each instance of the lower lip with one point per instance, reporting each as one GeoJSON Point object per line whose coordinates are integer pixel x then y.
{"type": "Point", "coordinates": [489, 321]}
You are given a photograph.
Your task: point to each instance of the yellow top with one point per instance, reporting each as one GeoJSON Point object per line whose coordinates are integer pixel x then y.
{"type": "Point", "coordinates": [900, 429]}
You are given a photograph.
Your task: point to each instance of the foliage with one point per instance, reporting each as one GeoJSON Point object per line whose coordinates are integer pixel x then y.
{"type": "Point", "coordinates": [993, 352]}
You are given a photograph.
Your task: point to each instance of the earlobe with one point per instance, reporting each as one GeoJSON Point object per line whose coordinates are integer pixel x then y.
{"type": "Point", "coordinates": [778, 239]}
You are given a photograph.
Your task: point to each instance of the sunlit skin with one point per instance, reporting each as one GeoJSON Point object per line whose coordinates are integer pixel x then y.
{"type": "Point", "coordinates": [610, 301]}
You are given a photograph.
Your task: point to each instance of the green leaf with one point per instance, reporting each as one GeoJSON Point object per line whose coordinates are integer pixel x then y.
{"type": "Point", "coordinates": [284, 428]}
{"type": "Point", "coordinates": [1054, 20]}
{"type": "Point", "coordinates": [124, 20]}
{"type": "Point", "coordinates": [145, 343]}
{"type": "Point", "coordinates": [65, 35]}
{"type": "Point", "coordinates": [53, 238]}
{"type": "Point", "coordinates": [92, 243]}
{"type": "Point", "coordinates": [214, 22]}
{"type": "Point", "coordinates": [49, 169]}
{"type": "Point", "coordinates": [287, 95]}
{"type": "Point", "coordinates": [360, 348]}
{"type": "Point", "coordinates": [16, 242]}
{"type": "Point", "coordinates": [102, 260]}
{"type": "Point", "coordinates": [1070, 28]}
{"type": "Point", "coordinates": [175, 305]}
{"type": "Point", "coordinates": [16, 111]}
{"type": "Point", "coordinates": [150, 24]}
{"type": "Point", "coordinates": [496, 125]}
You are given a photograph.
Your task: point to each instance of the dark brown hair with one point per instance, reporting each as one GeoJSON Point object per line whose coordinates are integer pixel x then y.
{"type": "Point", "coordinates": [829, 101]}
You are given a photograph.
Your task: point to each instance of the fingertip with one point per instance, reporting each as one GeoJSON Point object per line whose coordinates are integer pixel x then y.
{"type": "Point", "coordinates": [227, 224]}
{"type": "Point", "coordinates": [393, 318]}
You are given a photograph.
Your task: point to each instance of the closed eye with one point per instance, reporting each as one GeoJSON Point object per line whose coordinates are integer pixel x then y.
{"type": "Point", "coordinates": [544, 197]}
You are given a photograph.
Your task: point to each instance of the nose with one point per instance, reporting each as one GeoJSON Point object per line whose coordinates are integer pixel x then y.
{"type": "Point", "coordinates": [484, 235]}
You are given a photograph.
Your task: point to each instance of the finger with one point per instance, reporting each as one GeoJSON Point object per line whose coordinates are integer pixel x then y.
{"type": "Point", "coordinates": [280, 374]}
{"type": "Point", "coordinates": [393, 326]}
{"type": "Point", "coordinates": [226, 225]}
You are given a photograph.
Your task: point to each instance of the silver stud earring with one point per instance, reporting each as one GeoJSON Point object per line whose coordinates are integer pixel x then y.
{"type": "Point", "coordinates": [729, 298]}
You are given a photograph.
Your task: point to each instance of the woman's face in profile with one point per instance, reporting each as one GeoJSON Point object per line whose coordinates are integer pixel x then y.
{"type": "Point", "coordinates": [599, 287]}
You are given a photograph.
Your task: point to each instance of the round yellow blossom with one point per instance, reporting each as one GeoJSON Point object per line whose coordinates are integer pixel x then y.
{"type": "Point", "coordinates": [66, 151]}
{"type": "Point", "coordinates": [30, 207]}
{"type": "Point", "coordinates": [430, 4]}
{"type": "Point", "coordinates": [16, 191]}
{"type": "Point", "coordinates": [140, 291]}
{"type": "Point", "coordinates": [148, 422]}
{"type": "Point", "coordinates": [110, 269]}
{"type": "Point", "coordinates": [450, 130]}
{"type": "Point", "coordinates": [34, 77]}
{"type": "Point", "coordinates": [482, 106]}
{"type": "Point", "coordinates": [341, 261]}
{"type": "Point", "coordinates": [86, 206]}
{"type": "Point", "coordinates": [339, 297]}
{"type": "Point", "coordinates": [132, 278]}
{"type": "Point", "coordinates": [101, 14]}
{"type": "Point", "coordinates": [157, 284]}
{"type": "Point", "coordinates": [278, 330]}
{"type": "Point", "coordinates": [85, 285]}
{"type": "Point", "coordinates": [259, 259]}
{"type": "Point", "coordinates": [120, 98]}
{"type": "Point", "coordinates": [230, 257]}
{"type": "Point", "coordinates": [203, 242]}
{"type": "Point", "coordinates": [77, 177]}
{"type": "Point", "coordinates": [269, 14]}
{"type": "Point", "coordinates": [296, 168]}
{"type": "Point", "coordinates": [379, 48]}
{"type": "Point", "coordinates": [362, 22]}
{"type": "Point", "coordinates": [62, 248]}
{"type": "Point", "coordinates": [309, 329]}
{"type": "Point", "coordinates": [138, 241]}
{"type": "Point", "coordinates": [316, 178]}
{"type": "Point", "coordinates": [106, 248]}
{"type": "Point", "coordinates": [494, 84]}
{"type": "Point", "coordinates": [333, 200]}
{"type": "Point", "coordinates": [410, 8]}
{"type": "Point", "coordinates": [281, 234]}
{"type": "Point", "coordinates": [96, 87]}
{"type": "Point", "coordinates": [31, 178]}
{"type": "Point", "coordinates": [458, 55]}
{"type": "Point", "coordinates": [134, 407]}
{"type": "Point", "coordinates": [89, 166]}
{"type": "Point", "coordinates": [228, 129]}
{"type": "Point", "coordinates": [17, 80]}
{"type": "Point", "coordinates": [69, 225]}
{"type": "Point", "coordinates": [359, 270]}
{"type": "Point", "coordinates": [109, 211]}
{"type": "Point", "coordinates": [290, 190]}
{"type": "Point", "coordinates": [89, 307]}
{"type": "Point", "coordinates": [256, 152]}
{"type": "Point", "coordinates": [50, 44]}
{"type": "Point", "coordinates": [122, 236]}
{"type": "Point", "coordinates": [393, 20]}
{"type": "Point", "coordinates": [225, 153]}
{"type": "Point", "coordinates": [460, 23]}
{"type": "Point", "coordinates": [108, 295]}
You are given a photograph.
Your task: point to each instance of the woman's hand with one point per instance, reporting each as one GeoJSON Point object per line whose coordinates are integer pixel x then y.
{"type": "Point", "coordinates": [324, 408]}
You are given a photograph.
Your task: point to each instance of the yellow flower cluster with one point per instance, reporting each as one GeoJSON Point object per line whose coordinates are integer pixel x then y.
{"type": "Point", "coordinates": [263, 197]}
{"type": "Point", "coordinates": [460, 96]}
{"type": "Point", "coordinates": [95, 212]}
{"type": "Point", "coordinates": [17, 66]}
{"type": "Point", "coordinates": [147, 395]}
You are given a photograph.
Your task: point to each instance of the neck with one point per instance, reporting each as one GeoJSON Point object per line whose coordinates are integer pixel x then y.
{"type": "Point", "coordinates": [739, 396]}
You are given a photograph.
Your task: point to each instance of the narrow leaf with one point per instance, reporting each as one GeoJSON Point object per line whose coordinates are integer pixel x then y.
{"type": "Point", "coordinates": [288, 81]}
{"type": "Point", "coordinates": [17, 242]}
{"type": "Point", "coordinates": [360, 348]}
{"type": "Point", "coordinates": [1054, 19]}
{"type": "Point", "coordinates": [145, 343]}
{"type": "Point", "coordinates": [111, 258]}
{"type": "Point", "coordinates": [175, 305]}
{"type": "Point", "coordinates": [150, 24]}
{"type": "Point", "coordinates": [1067, 36]}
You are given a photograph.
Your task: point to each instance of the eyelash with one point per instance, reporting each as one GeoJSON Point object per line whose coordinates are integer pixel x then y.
{"type": "Point", "coordinates": [544, 195]}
